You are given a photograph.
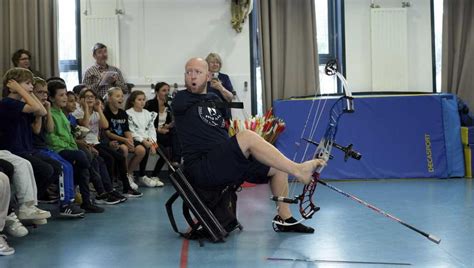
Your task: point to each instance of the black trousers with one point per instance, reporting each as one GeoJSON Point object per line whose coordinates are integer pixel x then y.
{"type": "Point", "coordinates": [116, 164]}
{"type": "Point", "coordinates": [81, 165]}
{"type": "Point", "coordinates": [7, 168]}
{"type": "Point", "coordinates": [46, 170]}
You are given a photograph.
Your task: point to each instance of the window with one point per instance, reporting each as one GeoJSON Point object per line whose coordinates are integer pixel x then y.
{"type": "Point", "coordinates": [329, 21]}
{"type": "Point", "coordinates": [67, 42]}
{"type": "Point", "coordinates": [329, 31]}
{"type": "Point", "coordinates": [438, 39]}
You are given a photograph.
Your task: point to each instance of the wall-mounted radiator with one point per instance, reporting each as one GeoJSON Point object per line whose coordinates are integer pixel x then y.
{"type": "Point", "coordinates": [100, 30]}
{"type": "Point", "coordinates": [389, 48]}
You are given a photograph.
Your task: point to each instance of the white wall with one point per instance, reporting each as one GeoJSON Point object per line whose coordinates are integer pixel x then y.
{"type": "Point", "coordinates": [357, 38]}
{"type": "Point", "coordinates": [157, 37]}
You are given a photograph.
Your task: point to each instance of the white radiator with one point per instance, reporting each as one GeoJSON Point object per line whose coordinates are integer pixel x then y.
{"type": "Point", "coordinates": [389, 48]}
{"type": "Point", "coordinates": [100, 30]}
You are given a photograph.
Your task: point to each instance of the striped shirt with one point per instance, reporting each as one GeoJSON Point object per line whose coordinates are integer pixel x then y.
{"type": "Point", "coordinates": [93, 76]}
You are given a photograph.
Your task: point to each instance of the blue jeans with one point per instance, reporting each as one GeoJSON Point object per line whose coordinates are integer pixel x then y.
{"type": "Point", "coordinates": [66, 185]}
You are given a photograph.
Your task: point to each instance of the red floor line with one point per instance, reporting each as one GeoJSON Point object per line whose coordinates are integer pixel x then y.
{"type": "Point", "coordinates": [184, 254]}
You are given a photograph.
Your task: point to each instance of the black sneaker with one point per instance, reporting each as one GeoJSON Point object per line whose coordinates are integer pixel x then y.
{"type": "Point", "coordinates": [71, 211]}
{"type": "Point", "coordinates": [297, 228]}
{"type": "Point", "coordinates": [91, 208]}
{"type": "Point", "coordinates": [106, 199]}
{"type": "Point", "coordinates": [132, 194]}
{"type": "Point", "coordinates": [118, 196]}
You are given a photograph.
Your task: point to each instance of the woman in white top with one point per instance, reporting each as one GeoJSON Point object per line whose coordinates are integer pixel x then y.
{"type": "Point", "coordinates": [164, 124]}
{"type": "Point", "coordinates": [141, 124]}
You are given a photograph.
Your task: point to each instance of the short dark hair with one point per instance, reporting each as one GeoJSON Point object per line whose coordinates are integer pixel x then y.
{"type": "Point", "coordinates": [55, 78]}
{"type": "Point", "coordinates": [54, 86]}
{"type": "Point", "coordinates": [132, 97]}
{"type": "Point", "coordinates": [70, 93]}
{"type": "Point", "coordinates": [96, 47]}
{"type": "Point", "coordinates": [78, 88]}
{"type": "Point", "coordinates": [17, 55]}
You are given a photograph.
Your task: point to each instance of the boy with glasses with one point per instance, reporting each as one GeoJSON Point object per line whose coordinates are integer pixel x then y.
{"type": "Point", "coordinates": [41, 126]}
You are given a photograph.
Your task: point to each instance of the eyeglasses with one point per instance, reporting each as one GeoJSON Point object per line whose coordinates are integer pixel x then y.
{"type": "Point", "coordinates": [195, 72]}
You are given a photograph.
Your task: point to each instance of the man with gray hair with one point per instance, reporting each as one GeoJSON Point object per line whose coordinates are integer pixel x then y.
{"type": "Point", "coordinates": [101, 76]}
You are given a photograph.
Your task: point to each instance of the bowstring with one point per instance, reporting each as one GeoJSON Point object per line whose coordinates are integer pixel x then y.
{"type": "Point", "coordinates": [314, 126]}
{"type": "Point", "coordinates": [335, 113]}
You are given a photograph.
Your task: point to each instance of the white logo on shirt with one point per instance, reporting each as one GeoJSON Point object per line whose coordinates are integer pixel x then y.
{"type": "Point", "coordinates": [211, 116]}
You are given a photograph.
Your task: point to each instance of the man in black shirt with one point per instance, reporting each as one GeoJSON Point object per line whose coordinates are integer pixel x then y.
{"type": "Point", "coordinates": [213, 159]}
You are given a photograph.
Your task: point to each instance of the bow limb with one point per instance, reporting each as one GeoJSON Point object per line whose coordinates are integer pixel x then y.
{"type": "Point", "coordinates": [323, 151]}
{"type": "Point", "coordinates": [343, 105]}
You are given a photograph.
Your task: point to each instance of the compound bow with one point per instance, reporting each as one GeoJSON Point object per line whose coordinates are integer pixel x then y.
{"type": "Point", "coordinates": [343, 105]}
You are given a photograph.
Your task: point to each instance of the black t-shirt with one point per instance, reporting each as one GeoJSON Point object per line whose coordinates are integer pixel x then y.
{"type": "Point", "coordinates": [118, 123]}
{"type": "Point", "coordinates": [199, 127]}
{"type": "Point", "coordinates": [16, 135]}
{"type": "Point", "coordinates": [39, 140]}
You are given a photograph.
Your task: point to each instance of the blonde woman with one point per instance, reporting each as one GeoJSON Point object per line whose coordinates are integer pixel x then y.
{"type": "Point", "coordinates": [220, 83]}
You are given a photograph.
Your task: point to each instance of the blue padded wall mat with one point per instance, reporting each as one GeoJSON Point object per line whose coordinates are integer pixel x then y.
{"type": "Point", "coordinates": [452, 130]}
{"type": "Point", "coordinates": [398, 136]}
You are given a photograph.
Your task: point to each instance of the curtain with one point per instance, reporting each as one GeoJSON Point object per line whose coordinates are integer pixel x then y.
{"type": "Point", "coordinates": [31, 25]}
{"type": "Point", "coordinates": [458, 52]}
{"type": "Point", "coordinates": [289, 55]}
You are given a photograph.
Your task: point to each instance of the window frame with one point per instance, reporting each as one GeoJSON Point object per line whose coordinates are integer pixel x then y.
{"type": "Point", "coordinates": [336, 47]}
{"type": "Point", "coordinates": [74, 65]}
{"type": "Point", "coordinates": [336, 38]}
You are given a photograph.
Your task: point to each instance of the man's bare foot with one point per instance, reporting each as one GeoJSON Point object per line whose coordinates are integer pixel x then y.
{"type": "Point", "coordinates": [306, 170]}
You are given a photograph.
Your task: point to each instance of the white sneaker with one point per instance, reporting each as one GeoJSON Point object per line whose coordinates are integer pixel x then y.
{"type": "Point", "coordinates": [131, 181]}
{"type": "Point", "coordinates": [14, 227]}
{"type": "Point", "coordinates": [35, 222]}
{"type": "Point", "coordinates": [5, 249]}
{"type": "Point", "coordinates": [157, 181]}
{"type": "Point", "coordinates": [145, 181]}
{"type": "Point", "coordinates": [32, 213]}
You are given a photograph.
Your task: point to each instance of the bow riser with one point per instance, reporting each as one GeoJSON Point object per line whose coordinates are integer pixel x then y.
{"type": "Point", "coordinates": [343, 105]}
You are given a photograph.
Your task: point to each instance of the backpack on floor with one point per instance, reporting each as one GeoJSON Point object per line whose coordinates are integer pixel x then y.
{"type": "Point", "coordinates": [223, 204]}
{"type": "Point", "coordinates": [211, 214]}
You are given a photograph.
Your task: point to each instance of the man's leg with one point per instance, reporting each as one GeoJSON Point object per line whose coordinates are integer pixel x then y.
{"type": "Point", "coordinates": [279, 187]}
{"type": "Point", "coordinates": [252, 144]}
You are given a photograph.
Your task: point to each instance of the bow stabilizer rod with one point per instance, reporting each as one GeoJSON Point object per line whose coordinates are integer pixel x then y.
{"type": "Point", "coordinates": [285, 199]}
{"type": "Point", "coordinates": [348, 152]}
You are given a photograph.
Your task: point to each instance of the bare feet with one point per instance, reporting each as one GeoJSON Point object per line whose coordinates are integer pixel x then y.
{"type": "Point", "coordinates": [306, 170]}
